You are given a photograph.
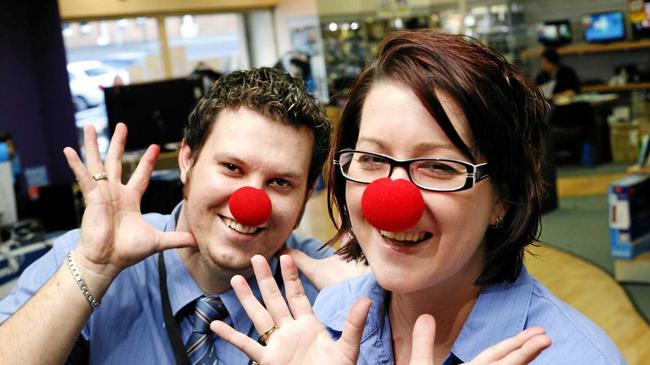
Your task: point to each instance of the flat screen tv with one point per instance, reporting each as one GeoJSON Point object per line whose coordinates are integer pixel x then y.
{"type": "Point", "coordinates": [604, 27]}
{"type": "Point", "coordinates": [154, 112]}
{"type": "Point", "coordinates": [554, 33]}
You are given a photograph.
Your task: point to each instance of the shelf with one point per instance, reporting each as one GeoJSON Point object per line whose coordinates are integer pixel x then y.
{"type": "Point", "coordinates": [582, 48]}
{"type": "Point", "coordinates": [636, 169]}
{"type": "Point", "coordinates": [615, 88]}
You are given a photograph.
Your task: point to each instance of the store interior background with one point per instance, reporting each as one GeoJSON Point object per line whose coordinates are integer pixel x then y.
{"type": "Point", "coordinates": [145, 41]}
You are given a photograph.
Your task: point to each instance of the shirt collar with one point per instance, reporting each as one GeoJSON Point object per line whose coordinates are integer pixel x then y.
{"type": "Point", "coordinates": [500, 312]}
{"type": "Point", "coordinates": [181, 286]}
{"type": "Point", "coordinates": [183, 289]}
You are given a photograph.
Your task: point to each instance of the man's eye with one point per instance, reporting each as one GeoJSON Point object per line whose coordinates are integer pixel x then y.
{"type": "Point", "coordinates": [281, 183]}
{"type": "Point", "coordinates": [230, 167]}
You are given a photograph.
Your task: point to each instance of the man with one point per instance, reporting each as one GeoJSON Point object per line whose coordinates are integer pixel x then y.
{"type": "Point", "coordinates": [556, 79]}
{"type": "Point", "coordinates": [258, 129]}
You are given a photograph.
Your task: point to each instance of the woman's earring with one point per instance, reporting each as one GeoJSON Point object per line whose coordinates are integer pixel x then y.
{"type": "Point", "coordinates": [498, 223]}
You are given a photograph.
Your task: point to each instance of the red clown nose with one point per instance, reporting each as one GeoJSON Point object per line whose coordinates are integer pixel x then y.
{"type": "Point", "coordinates": [250, 206]}
{"type": "Point", "coordinates": [392, 206]}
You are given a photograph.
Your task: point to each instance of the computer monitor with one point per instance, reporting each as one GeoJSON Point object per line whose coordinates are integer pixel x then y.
{"type": "Point", "coordinates": [604, 27]}
{"type": "Point", "coordinates": [554, 33]}
{"type": "Point", "coordinates": [154, 112]}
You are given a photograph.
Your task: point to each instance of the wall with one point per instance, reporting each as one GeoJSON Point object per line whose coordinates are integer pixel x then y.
{"type": "Point", "coordinates": [292, 11]}
{"type": "Point", "coordinates": [35, 102]}
{"type": "Point", "coordinates": [539, 10]}
{"type": "Point", "coordinates": [87, 9]}
{"type": "Point", "coordinates": [591, 67]}
{"type": "Point", "coordinates": [337, 7]}
{"type": "Point", "coordinates": [260, 32]}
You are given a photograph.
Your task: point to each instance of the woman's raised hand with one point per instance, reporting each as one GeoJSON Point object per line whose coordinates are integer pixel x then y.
{"type": "Point", "coordinates": [114, 234]}
{"type": "Point", "coordinates": [300, 338]}
{"type": "Point", "coordinates": [294, 335]}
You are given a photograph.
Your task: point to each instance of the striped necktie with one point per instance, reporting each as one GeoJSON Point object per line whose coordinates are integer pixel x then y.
{"type": "Point", "coordinates": [199, 347]}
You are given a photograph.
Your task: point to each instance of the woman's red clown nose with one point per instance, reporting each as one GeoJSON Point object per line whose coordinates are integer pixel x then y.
{"type": "Point", "coordinates": [250, 206]}
{"type": "Point", "coordinates": [392, 205]}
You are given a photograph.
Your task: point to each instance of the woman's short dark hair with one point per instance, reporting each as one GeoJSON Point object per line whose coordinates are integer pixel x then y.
{"type": "Point", "coordinates": [505, 113]}
{"type": "Point", "coordinates": [274, 94]}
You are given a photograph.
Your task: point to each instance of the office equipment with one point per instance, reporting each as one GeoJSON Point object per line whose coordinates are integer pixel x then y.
{"type": "Point", "coordinates": [640, 21]}
{"type": "Point", "coordinates": [554, 33]}
{"type": "Point", "coordinates": [604, 27]}
{"type": "Point", "coordinates": [644, 152]}
{"type": "Point", "coordinates": [154, 112]}
{"type": "Point", "coordinates": [8, 213]}
{"type": "Point", "coordinates": [14, 258]}
{"type": "Point", "coordinates": [629, 216]}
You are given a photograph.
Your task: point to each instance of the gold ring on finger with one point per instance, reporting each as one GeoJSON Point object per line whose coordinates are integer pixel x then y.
{"type": "Point", "coordinates": [265, 336]}
{"type": "Point", "coordinates": [100, 176]}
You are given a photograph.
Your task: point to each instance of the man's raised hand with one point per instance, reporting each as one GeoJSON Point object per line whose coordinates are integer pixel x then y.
{"type": "Point", "coordinates": [114, 234]}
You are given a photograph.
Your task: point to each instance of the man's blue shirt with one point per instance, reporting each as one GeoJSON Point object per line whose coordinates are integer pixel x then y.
{"type": "Point", "coordinates": [501, 311]}
{"type": "Point", "coordinates": [128, 327]}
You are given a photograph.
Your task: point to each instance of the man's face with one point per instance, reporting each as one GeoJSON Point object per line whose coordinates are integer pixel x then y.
{"type": "Point", "coordinates": [546, 65]}
{"type": "Point", "coordinates": [244, 148]}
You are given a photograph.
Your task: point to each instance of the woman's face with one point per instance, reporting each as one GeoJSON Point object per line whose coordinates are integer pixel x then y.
{"type": "Point", "coordinates": [395, 123]}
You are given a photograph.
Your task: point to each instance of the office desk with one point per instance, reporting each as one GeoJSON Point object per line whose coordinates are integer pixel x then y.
{"type": "Point", "coordinates": [593, 99]}
{"type": "Point", "coordinates": [579, 130]}
{"type": "Point", "coordinates": [166, 161]}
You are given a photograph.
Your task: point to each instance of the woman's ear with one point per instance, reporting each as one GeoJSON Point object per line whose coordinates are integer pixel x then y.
{"type": "Point", "coordinates": [185, 160]}
{"type": "Point", "coordinates": [499, 211]}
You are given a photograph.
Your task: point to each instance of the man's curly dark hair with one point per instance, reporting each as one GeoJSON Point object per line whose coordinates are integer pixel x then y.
{"type": "Point", "coordinates": [274, 94]}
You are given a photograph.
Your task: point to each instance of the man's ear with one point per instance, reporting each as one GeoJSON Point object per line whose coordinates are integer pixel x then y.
{"type": "Point", "coordinates": [185, 160]}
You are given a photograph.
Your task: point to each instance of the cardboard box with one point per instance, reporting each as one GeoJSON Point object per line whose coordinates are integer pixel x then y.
{"type": "Point", "coordinates": [624, 140]}
{"type": "Point", "coordinates": [634, 271]}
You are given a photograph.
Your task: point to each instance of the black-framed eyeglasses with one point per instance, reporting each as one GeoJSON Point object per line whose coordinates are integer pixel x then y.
{"type": "Point", "coordinates": [433, 174]}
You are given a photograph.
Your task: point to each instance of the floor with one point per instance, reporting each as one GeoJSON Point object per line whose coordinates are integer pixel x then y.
{"type": "Point", "coordinates": [575, 264]}
{"type": "Point", "coordinates": [580, 224]}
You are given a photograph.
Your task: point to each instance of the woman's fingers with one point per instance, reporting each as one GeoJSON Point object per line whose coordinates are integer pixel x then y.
{"type": "Point", "coordinates": [260, 317]}
{"type": "Point", "coordinates": [424, 334]}
{"type": "Point", "coordinates": [271, 294]}
{"type": "Point", "coordinates": [505, 347]}
{"type": "Point", "coordinates": [528, 351]}
{"type": "Point", "coordinates": [350, 340]}
{"type": "Point", "coordinates": [295, 292]}
{"type": "Point", "coordinates": [140, 178]}
{"type": "Point", "coordinates": [115, 152]}
{"type": "Point", "coordinates": [328, 271]}
{"type": "Point", "coordinates": [247, 345]}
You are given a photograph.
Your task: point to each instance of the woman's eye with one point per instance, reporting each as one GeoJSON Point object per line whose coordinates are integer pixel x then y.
{"type": "Point", "coordinates": [437, 168]}
{"type": "Point", "coordinates": [370, 159]}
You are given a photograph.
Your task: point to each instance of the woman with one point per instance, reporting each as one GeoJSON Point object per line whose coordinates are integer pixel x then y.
{"type": "Point", "coordinates": [442, 123]}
